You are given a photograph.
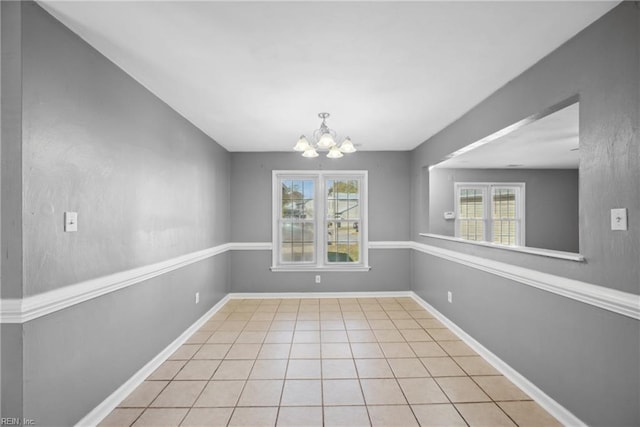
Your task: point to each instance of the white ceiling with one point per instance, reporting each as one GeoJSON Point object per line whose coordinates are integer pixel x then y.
{"type": "Point", "coordinates": [549, 143]}
{"type": "Point", "coordinates": [254, 75]}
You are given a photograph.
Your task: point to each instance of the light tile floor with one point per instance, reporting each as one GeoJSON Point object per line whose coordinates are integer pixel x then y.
{"type": "Point", "coordinates": [331, 362]}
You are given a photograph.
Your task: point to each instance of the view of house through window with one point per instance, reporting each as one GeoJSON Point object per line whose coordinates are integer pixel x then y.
{"type": "Point", "coordinates": [297, 221]}
{"type": "Point", "coordinates": [319, 221]}
{"type": "Point", "coordinates": [492, 212]}
{"type": "Point", "coordinates": [343, 216]}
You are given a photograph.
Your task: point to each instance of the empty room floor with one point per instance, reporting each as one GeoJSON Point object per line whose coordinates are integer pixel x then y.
{"type": "Point", "coordinates": [332, 362]}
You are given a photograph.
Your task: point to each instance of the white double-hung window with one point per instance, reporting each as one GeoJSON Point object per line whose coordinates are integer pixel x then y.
{"type": "Point", "coordinates": [491, 212]}
{"type": "Point", "coordinates": [320, 220]}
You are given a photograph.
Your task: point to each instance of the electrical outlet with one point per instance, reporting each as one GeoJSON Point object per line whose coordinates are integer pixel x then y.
{"type": "Point", "coordinates": [318, 280]}
{"type": "Point", "coordinates": [197, 297]}
{"type": "Point", "coordinates": [450, 296]}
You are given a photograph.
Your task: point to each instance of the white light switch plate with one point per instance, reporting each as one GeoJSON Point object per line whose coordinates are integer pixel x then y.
{"type": "Point", "coordinates": [70, 221]}
{"type": "Point", "coordinates": [619, 219]}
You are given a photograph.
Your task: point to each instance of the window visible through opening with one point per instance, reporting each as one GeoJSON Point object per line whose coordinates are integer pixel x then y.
{"type": "Point", "coordinates": [491, 212]}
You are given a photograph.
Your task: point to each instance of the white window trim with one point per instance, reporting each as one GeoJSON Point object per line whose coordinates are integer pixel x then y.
{"type": "Point", "coordinates": [487, 193]}
{"type": "Point", "coordinates": [319, 176]}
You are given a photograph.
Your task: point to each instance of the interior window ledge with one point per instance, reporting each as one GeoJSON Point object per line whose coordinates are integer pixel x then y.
{"type": "Point", "coordinates": [287, 269]}
{"type": "Point", "coordinates": [534, 251]}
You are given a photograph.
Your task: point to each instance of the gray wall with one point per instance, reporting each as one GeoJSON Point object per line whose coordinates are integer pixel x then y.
{"type": "Point", "coordinates": [11, 150]}
{"type": "Point", "coordinates": [11, 209]}
{"type": "Point", "coordinates": [75, 358]}
{"type": "Point", "coordinates": [390, 271]}
{"type": "Point", "coordinates": [389, 190]}
{"type": "Point", "coordinates": [583, 357]}
{"type": "Point", "coordinates": [11, 366]}
{"type": "Point", "coordinates": [147, 185]}
{"type": "Point", "coordinates": [600, 65]}
{"type": "Point", "coordinates": [551, 202]}
{"type": "Point", "coordinates": [115, 154]}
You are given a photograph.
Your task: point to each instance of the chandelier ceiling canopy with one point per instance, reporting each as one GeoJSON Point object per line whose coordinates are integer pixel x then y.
{"type": "Point", "coordinates": [324, 139]}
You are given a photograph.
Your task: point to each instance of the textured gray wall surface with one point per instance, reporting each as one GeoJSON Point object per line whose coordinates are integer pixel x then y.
{"type": "Point", "coordinates": [601, 65]}
{"type": "Point", "coordinates": [75, 358]}
{"type": "Point", "coordinates": [584, 357]}
{"type": "Point", "coordinates": [11, 150]}
{"type": "Point", "coordinates": [251, 199]}
{"type": "Point", "coordinates": [587, 358]}
{"type": "Point", "coordinates": [147, 185]}
{"type": "Point", "coordinates": [551, 207]}
{"type": "Point", "coordinates": [11, 203]}
{"type": "Point", "coordinates": [390, 271]}
{"type": "Point", "coordinates": [11, 366]}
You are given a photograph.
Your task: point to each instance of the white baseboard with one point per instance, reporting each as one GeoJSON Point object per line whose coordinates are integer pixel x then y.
{"type": "Point", "coordinates": [101, 411]}
{"type": "Point", "coordinates": [554, 408]}
{"type": "Point", "coordinates": [285, 295]}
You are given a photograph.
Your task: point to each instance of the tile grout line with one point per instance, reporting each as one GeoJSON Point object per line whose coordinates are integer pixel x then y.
{"type": "Point", "coordinates": [207, 383]}
{"type": "Point", "coordinates": [286, 369]}
{"type": "Point", "coordinates": [364, 400]}
{"type": "Point", "coordinates": [398, 382]}
{"type": "Point", "coordinates": [249, 374]}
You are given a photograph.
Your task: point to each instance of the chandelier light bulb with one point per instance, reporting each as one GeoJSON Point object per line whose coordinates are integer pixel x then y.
{"type": "Point", "coordinates": [326, 141]}
{"type": "Point", "coordinates": [347, 146]}
{"type": "Point", "coordinates": [302, 144]}
{"type": "Point", "coordinates": [310, 152]}
{"type": "Point", "coordinates": [334, 153]}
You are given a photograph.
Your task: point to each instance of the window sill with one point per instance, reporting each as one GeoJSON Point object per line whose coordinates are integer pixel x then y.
{"type": "Point", "coordinates": [534, 251]}
{"type": "Point", "coordinates": [307, 269]}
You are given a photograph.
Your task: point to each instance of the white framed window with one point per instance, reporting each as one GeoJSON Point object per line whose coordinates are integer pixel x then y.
{"type": "Point", "coordinates": [491, 212]}
{"type": "Point", "coordinates": [320, 220]}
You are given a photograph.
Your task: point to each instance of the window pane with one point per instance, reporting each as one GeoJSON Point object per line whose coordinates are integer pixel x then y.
{"type": "Point", "coordinates": [297, 243]}
{"type": "Point", "coordinates": [503, 205]}
{"type": "Point", "coordinates": [504, 232]}
{"type": "Point", "coordinates": [472, 229]}
{"type": "Point", "coordinates": [343, 241]}
{"type": "Point", "coordinates": [298, 232]}
{"type": "Point", "coordinates": [471, 215]}
{"type": "Point", "coordinates": [343, 252]}
{"type": "Point", "coordinates": [471, 204]}
{"type": "Point", "coordinates": [297, 198]}
{"type": "Point", "coordinates": [343, 215]}
{"type": "Point", "coordinates": [297, 252]}
{"type": "Point", "coordinates": [343, 199]}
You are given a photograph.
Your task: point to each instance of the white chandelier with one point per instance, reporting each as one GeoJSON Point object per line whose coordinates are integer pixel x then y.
{"type": "Point", "coordinates": [324, 139]}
